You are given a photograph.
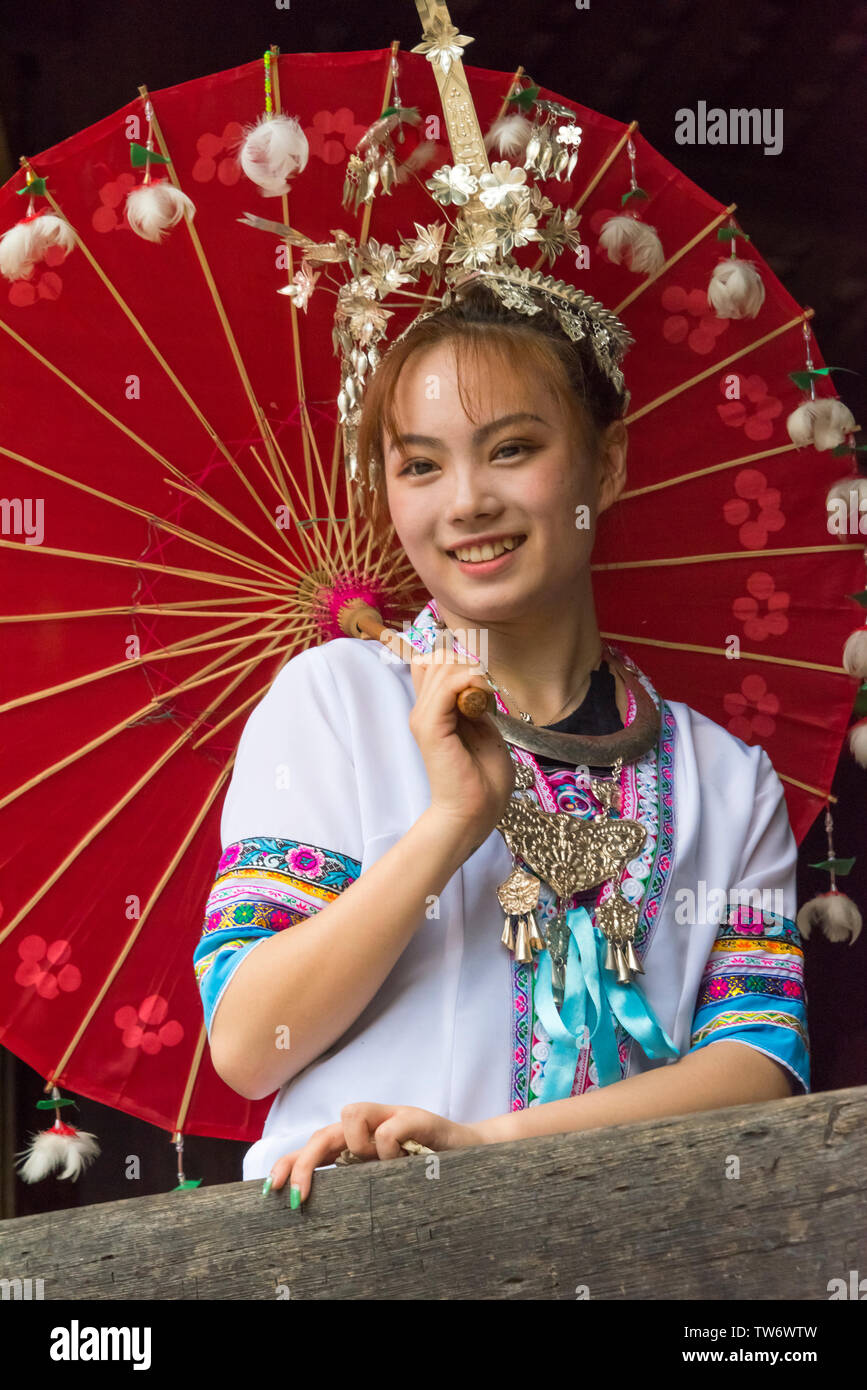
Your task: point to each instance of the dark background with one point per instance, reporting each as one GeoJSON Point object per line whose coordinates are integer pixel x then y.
{"type": "Point", "coordinates": [65, 66]}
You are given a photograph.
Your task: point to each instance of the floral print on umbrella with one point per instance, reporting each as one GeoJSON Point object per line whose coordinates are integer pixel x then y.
{"type": "Point", "coordinates": [757, 423]}
{"type": "Point", "coordinates": [47, 967]}
{"type": "Point", "coordinates": [751, 486]}
{"type": "Point", "coordinates": [333, 135]}
{"type": "Point", "coordinates": [218, 155]}
{"type": "Point", "coordinates": [109, 216]}
{"type": "Point", "coordinates": [145, 1027]}
{"type": "Point", "coordinates": [773, 622]}
{"type": "Point", "coordinates": [682, 305]}
{"type": "Point", "coordinates": [752, 696]}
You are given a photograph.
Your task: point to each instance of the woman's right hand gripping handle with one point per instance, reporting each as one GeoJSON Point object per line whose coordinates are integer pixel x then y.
{"type": "Point", "coordinates": [468, 764]}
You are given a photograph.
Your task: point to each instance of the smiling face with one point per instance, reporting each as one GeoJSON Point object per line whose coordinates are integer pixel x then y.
{"type": "Point", "coordinates": [451, 479]}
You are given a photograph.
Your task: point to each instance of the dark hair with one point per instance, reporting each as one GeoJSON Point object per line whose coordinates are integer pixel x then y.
{"type": "Point", "coordinates": [535, 344]}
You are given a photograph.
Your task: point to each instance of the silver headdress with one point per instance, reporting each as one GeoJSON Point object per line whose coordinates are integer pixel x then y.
{"type": "Point", "coordinates": [498, 210]}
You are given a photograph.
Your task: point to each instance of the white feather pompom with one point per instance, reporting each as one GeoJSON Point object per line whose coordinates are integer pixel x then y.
{"type": "Point", "coordinates": [855, 654]}
{"type": "Point", "coordinates": [858, 742]}
{"type": "Point", "coordinates": [26, 243]}
{"type": "Point", "coordinates": [823, 423]}
{"type": "Point", "coordinates": [153, 209]}
{"type": "Point", "coordinates": [63, 1147]}
{"type": "Point", "coordinates": [625, 238]}
{"type": "Point", "coordinates": [273, 151]}
{"type": "Point", "coordinates": [736, 290]}
{"type": "Point", "coordinates": [510, 134]}
{"type": "Point", "coordinates": [425, 152]}
{"type": "Point", "coordinates": [836, 914]}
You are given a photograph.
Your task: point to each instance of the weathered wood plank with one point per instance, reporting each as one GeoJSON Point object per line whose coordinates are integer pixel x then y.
{"type": "Point", "coordinates": [646, 1211]}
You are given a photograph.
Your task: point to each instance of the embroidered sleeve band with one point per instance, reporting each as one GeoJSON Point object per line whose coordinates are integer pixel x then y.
{"type": "Point", "coordinates": [262, 886]}
{"type": "Point", "coordinates": [752, 991]}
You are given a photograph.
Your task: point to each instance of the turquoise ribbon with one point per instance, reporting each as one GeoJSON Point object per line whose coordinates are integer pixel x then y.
{"type": "Point", "coordinates": [592, 994]}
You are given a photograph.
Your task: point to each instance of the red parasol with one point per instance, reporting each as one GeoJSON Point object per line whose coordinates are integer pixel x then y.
{"type": "Point", "coordinates": [177, 496]}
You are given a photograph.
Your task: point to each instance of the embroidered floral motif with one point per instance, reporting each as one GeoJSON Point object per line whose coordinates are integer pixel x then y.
{"type": "Point", "coordinates": [263, 885]}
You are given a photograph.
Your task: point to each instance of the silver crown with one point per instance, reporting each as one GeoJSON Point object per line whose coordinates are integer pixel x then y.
{"type": "Point", "coordinates": [499, 210]}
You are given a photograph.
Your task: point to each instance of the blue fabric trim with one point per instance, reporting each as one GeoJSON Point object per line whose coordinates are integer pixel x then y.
{"type": "Point", "coordinates": [213, 984]}
{"type": "Point", "coordinates": [794, 1058]}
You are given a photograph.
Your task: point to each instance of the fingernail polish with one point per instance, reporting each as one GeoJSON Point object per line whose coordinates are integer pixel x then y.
{"type": "Point", "coordinates": [294, 1196]}
{"type": "Point", "coordinates": [267, 1185]}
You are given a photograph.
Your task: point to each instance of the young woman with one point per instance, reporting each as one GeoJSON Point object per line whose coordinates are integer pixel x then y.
{"type": "Point", "coordinates": [352, 947]}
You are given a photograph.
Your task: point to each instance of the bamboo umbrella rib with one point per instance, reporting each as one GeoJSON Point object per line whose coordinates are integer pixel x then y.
{"type": "Point", "coordinates": [748, 656]}
{"type": "Point", "coordinates": [204, 265]}
{"type": "Point", "coordinates": [678, 255]}
{"type": "Point", "coordinates": [233, 714]}
{"type": "Point", "coordinates": [333, 525]}
{"type": "Point", "coordinates": [369, 546]}
{"type": "Point", "coordinates": [727, 555]}
{"type": "Point", "coordinates": [109, 816]}
{"type": "Point", "coordinates": [365, 232]}
{"type": "Point", "coordinates": [188, 646]}
{"type": "Point", "coordinates": [242, 672]}
{"type": "Point", "coordinates": [395, 561]}
{"type": "Point", "coordinates": [600, 173]}
{"type": "Point", "coordinates": [386, 94]}
{"type": "Point", "coordinates": [363, 235]}
{"type": "Point", "coordinates": [315, 556]}
{"type": "Point", "coordinates": [168, 610]}
{"type": "Point", "coordinates": [290, 275]}
{"type": "Point", "coordinates": [298, 635]}
{"type": "Point", "coordinates": [217, 507]}
{"type": "Point", "coordinates": [194, 682]}
{"type": "Point", "coordinates": [197, 491]}
{"type": "Point", "coordinates": [716, 367]}
{"type": "Point", "coordinates": [761, 657]}
{"type": "Point", "coordinates": [705, 472]}
{"type": "Point", "coordinates": [806, 786]}
{"type": "Point", "coordinates": [212, 546]}
{"type": "Point", "coordinates": [191, 1079]}
{"type": "Point", "coordinates": [142, 332]}
{"type": "Point", "coordinates": [257, 694]}
{"type": "Point", "coordinates": [318, 555]}
{"type": "Point", "coordinates": [58, 1070]}
{"type": "Point", "coordinates": [201, 576]}
{"type": "Point", "coordinates": [333, 529]}
{"type": "Point", "coordinates": [139, 925]}
{"type": "Point", "coordinates": [127, 722]}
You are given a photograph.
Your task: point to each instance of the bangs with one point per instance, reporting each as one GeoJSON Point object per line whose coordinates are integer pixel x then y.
{"type": "Point", "coordinates": [488, 356]}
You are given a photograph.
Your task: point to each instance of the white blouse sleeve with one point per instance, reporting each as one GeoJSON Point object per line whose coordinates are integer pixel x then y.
{"type": "Point", "coordinates": [290, 830]}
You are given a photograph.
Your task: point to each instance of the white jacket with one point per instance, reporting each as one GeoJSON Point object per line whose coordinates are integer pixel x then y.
{"type": "Point", "coordinates": [328, 773]}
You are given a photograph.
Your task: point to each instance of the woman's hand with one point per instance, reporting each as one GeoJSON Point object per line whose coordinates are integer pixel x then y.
{"type": "Point", "coordinates": [469, 767]}
{"type": "Point", "coordinates": [371, 1131]}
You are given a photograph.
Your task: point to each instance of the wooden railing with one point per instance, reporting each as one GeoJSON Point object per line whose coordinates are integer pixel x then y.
{"type": "Point", "coordinates": [755, 1202]}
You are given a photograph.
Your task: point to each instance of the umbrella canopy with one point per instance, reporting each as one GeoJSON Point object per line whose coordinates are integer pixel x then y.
{"type": "Point", "coordinates": [173, 467]}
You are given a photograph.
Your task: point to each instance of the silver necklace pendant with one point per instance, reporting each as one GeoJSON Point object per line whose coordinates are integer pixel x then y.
{"type": "Point", "coordinates": [571, 855]}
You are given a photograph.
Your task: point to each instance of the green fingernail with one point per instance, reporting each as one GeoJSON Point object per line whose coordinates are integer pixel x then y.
{"type": "Point", "coordinates": [294, 1196]}
{"type": "Point", "coordinates": [266, 1188]}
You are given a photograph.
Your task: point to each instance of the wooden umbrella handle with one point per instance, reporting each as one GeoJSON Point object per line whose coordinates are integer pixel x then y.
{"type": "Point", "coordinates": [358, 619]}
